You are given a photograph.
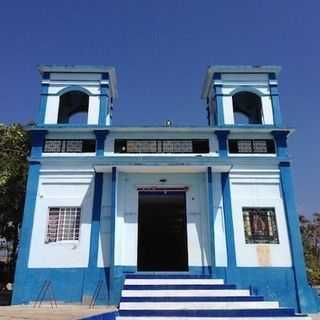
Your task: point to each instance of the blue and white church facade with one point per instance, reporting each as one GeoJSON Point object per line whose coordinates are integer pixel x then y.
{"type": "Point", "coordinates": [103, 201]}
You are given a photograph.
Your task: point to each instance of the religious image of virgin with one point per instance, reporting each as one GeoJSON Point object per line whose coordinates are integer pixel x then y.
{"type": "Point", "coordinates": [259, 226]}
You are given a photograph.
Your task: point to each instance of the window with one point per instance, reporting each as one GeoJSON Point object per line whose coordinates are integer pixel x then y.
{"type": "Point", "coordinates": [260, 225]}
{"type": "Point", "coordinates": [251, 146]}
{"type": "Point", "coordinates": [161, 146]}
{"type": "Point", "coordinates": [63, 224]}
{"type": "Point", "coordinates": [73, 108]}
{"type": "Point", "coordinates": [247, 108]}
{"type": "Point", "coordinates": [69, 146]}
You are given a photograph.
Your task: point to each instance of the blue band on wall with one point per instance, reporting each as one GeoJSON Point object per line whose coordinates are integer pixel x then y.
{"type": "Point", "coordinates": [38, 138]}
{"type": "Point", "coordinates": [222, 136]}
{"type": "Point", "coordinates": [43, 103]}
{"type": "Point", "coordinates": [281, 142]}
{"type": "Point", "coordinates": [103, 105]}
{"type": "Point", "coordinates": [100, 141]}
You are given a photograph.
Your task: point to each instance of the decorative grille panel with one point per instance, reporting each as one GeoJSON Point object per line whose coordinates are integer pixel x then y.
{"type": "Point", "coordinates": [63, 224]}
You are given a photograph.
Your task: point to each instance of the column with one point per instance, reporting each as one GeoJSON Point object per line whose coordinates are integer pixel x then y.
{"type": "Point", "coordinates": [104, 96]}
{"type": "Point", "coordinates": [115, 274]}
{"type": "Point", "coordinates": [21, 272]}
{"type": "Point", "coordinates": [211, 219]}
{"type": "Point", "coordinates": [229, 231]}
{"type": "Point", "coordinates": [217, 88]}
{"type": "Point", "coordinates": [274, 94]}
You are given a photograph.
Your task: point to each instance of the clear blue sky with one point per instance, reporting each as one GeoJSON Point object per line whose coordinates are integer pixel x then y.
{"type": "Point", "coordinates": [161, 50]}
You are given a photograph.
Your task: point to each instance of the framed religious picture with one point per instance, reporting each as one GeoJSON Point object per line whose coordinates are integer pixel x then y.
{"type": "Point", "coordinates": [260, 225]}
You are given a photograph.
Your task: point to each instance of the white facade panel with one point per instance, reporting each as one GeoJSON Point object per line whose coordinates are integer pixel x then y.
{"type": "Point", "coordinates": [259, 191]}
{"type": "Point", "coordinates": [52, 110]}
{"type": "Point", "coordinates": [94, 108]}
{"type": "Point", "coordinates": [61, 191]}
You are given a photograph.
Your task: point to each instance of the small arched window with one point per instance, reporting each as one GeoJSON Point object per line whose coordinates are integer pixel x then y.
{"type": "Point", "coordinates": [73, 108]}
{"type": "Point", "coordinates": [247, 108]}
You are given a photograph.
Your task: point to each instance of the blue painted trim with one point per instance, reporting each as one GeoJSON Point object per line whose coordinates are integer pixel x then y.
{"type": "Point", "coordinates": [91, 279]}
{"type": "Point", "coordinates": [303, 292]}
{"type": "Point", "coordinates": [211, 218]}
{"type": "Point", "coordinates": [222, 136]}
{"type": "Point", "coordinates": [26, 231]}
{"type": "Point", "coordinates": [103, 105]}
{"type": "Point", "coordinates": [37, 140]}
{"type": "Point", "coordinates": [216, 76]}
{"type": "Point", "coordinates": [103, 316]}
{"type": "Point", "coordinates": [219, 105]}
{"type": "Point", "coordinates": [100, 141]}
{"type": "Point", "coordinates": [281, 142]}
{"type": "Point", "coordinates": [228, 223]}
{"type": "Point", "coordinates": [244, 88]}
{"type": "Point", "coordinates": [43, 103]}
{"type": "Point", "coordinates": [73, 88]}
{"type": "Point", "coordinates": [277, 117]}
{"type": "Point", "coordinates": [116, 275]}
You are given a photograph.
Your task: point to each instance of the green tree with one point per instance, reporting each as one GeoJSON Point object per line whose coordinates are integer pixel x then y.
{"type": "Point", "coordinates": [310, 231]}
{"type": "Point", "coordinates": [14, 149]}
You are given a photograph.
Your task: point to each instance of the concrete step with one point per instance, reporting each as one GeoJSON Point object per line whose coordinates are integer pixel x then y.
{"type": "Point", "coordinates": [295, 317]}
{"type": "Point", "coordinates": [168, 281]}
{"type": "Point", "coordinates": [214, 313]}
{"type": "Point", "coordinates": [186, 293]}
{"type": "Point", "coordinates": [179, 287]}
{"type": "Point", "coordinates": [165, 275]}
{"type": "Point", "coordinates": [192, 299]}
{"type": "Point", "coordinates": [207, 305]}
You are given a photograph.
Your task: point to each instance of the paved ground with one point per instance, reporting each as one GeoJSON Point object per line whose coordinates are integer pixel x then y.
{"type": "Point", "coordinates": [63, 312]}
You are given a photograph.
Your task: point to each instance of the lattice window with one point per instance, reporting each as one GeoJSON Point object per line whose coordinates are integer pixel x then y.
{"type": "Point", "coordinates": [251, 146]}
{"type": "Point", "coordinates": [63, 224]}
{"type": "Point", "coordinates": [162, 146]}
{"type": "Point", "coordinates": [69, 146]}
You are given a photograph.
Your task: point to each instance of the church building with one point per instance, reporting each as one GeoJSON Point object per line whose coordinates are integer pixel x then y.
{"type": "Point", "coordinates": [148, 209]}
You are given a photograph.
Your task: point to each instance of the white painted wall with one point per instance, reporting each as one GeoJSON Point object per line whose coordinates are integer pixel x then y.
{"type": "Point", "coordinates": [69, 189]}
{"type": "Point", "coordinates": [259, 190]}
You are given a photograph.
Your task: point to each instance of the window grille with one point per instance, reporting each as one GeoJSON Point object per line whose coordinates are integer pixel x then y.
{"type": "Point", "coordinates": [251, 146]}
{"type": "Point", "coordinates": [63, 224]}
{"type": "Point", "coordinates": [161, 146]}
{"type": "Point", "coordinates": [69, 146]}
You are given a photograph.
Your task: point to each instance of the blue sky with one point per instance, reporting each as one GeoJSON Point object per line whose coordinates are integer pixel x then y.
{"type": "Point", "coordinates": [161, 50]}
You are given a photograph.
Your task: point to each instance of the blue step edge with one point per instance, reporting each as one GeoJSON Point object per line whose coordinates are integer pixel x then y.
{"type": "Point", "coordinates": [281, 312]}
{"type": "Point", "coordinates": [166, 276]}
{"type": "Point", "coordinates": [179, 287]}
{"type": "Point", "coordinates": [192, 299]}
{"type": "Point", "coordinates": [102, 316]}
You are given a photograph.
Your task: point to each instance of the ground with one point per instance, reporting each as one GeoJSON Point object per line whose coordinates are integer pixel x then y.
{"type": "Point", "coordinates": [63, 312]}
{"type": "Point", "coordinates": [45, 312]}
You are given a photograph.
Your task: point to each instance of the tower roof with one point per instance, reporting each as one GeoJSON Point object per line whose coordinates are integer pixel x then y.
{"type": "Point", "coordinates": [234, 70]}
{"type": "Point", "coordinates": [84, 69]}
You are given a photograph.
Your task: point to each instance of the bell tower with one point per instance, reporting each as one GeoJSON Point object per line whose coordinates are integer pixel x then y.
{"type": "Point", "coordinates": [77, 95]}
{"type": "Point", "coordinates": [242, 96]}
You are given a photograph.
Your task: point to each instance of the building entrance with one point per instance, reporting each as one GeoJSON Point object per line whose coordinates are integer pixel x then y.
{"type": "Point", "coordinates": [162, 231]}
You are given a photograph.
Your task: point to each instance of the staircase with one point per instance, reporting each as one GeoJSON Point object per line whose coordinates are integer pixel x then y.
{"type": "Point", "coordinates": [182, 296]}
